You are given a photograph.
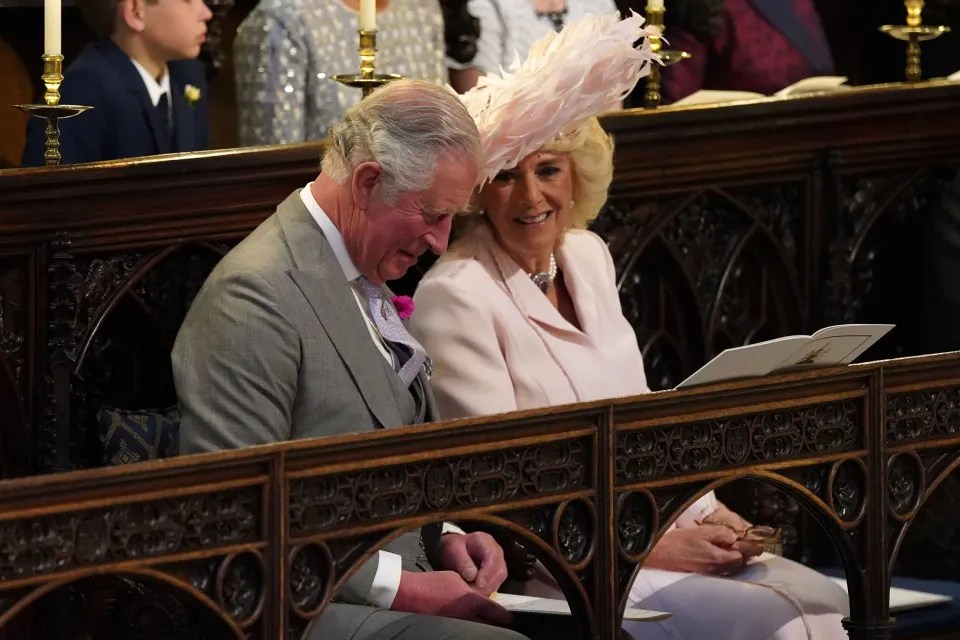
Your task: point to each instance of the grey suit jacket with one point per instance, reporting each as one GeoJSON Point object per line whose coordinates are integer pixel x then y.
{"type": "Point", "coordinates": [274, 348]}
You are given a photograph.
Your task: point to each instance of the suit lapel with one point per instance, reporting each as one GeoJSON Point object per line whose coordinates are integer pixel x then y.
{"type": "Point", "coordinates": [528, 298]}
{"type": "Point", "coordinates": [183, 118]}
{"type": "Point", "coordinates": [807, 39]}
{"type": "Point", "coordinates": [319, 277]}
{"type": "Point", "coordinates": [128, 73]}
{"type": "Point", "coordinates": [585, 299]}
{"type": "Point", "coordinates": [337, 311]}
{"type": "Point", "coordinates": [559, 337]}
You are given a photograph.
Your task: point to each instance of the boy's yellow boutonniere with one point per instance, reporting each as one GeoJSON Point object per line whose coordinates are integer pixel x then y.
{"type": "Point", "coordinates": [192, 94]}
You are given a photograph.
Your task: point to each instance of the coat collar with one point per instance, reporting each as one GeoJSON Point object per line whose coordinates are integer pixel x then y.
{"type": "Point", "coordinates": [808, 39]}
{"type": "Point", "coordinates": [531, 301]}
{"type": "Point", "coordinates": [317, 274]}
{"type": "Point", "coordinates": [121, 64]}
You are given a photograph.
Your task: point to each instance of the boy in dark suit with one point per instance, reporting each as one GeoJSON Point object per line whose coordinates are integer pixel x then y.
{"type": "Point", "coordinates": [143, 80]}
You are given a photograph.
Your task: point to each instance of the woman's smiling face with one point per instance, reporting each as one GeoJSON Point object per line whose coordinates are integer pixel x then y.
{"type": "Point", "coordinates": [529, 206]}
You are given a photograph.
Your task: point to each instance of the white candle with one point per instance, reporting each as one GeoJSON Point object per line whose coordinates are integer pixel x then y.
{"type": "Point", "coordinates": [654, 5]}
{"type": "Point", "coordinates": [51, 27]}
{"type": "Point", "coordinates": [368, 15]}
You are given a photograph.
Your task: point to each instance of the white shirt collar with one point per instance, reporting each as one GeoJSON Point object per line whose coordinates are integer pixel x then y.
{"type": "Point", "coordinates": [331, 233]}
{"type": "Point", "coordinates": [154, 89]}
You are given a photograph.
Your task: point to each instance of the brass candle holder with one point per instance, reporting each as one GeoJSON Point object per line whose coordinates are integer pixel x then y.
{"type": "Point", "coordinates": [913, 33]}
{"type": "Point", "coordinates": [367, 80]}
{"type": "Point", "coordinates": [669, 57]}
{"type": "Point", "coordinates": [52, 110]}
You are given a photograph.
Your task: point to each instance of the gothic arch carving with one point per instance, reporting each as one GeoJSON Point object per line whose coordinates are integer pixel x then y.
{"type": "Point", "coordinates": [183, 592]}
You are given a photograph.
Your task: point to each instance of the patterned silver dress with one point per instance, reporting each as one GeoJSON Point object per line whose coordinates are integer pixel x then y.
{"type": "Point", "coordinates": [287, 50]}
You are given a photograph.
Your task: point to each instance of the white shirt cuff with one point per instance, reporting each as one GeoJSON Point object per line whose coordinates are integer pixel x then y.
{"type": "Point", "coordinates": [706, 505]}
{"type": "Point", "coordinates": [700, 509]}
{"type": "Point", "coordinates": [386, 581]}
{"type": "Point", "coordinates": [696, 512]}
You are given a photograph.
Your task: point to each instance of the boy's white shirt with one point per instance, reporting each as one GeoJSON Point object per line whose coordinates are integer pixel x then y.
{"type": "Point", "coordinates": [155, 88]}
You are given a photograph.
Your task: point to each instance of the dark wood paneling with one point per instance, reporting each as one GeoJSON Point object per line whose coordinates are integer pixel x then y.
{"type": "Point", "coordinates": [253, 543]}
{"type": "Point", "coordinates": [728, 225]}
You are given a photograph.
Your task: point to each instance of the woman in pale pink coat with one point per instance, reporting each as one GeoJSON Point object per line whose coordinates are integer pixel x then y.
{"type": "Point", "coordinates": [523, 312]}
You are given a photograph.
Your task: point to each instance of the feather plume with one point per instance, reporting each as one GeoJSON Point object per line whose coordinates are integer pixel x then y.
{"type": "Point", "coordinates": [568, 77]}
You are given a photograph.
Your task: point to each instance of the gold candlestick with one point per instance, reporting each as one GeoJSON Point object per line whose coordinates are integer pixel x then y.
{"type": "Point", "coordinates": [651, 98]}
{"type": "Point", "coordinates": [913, 33]}
{"type": "Point", "coordinates": [52, 110]}
{"type": "Point", "coordinates": [367, 80]}
{"type": "Point", "coordinates": [914, 10]}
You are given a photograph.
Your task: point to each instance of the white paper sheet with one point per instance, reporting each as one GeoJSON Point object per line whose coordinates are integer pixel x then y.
{"type": "Point", "coordinates": [905, 599]}
{"type": "Point", "coordinates": [552, 606]}
{"type": "Point", "coordinates": [815, 84]}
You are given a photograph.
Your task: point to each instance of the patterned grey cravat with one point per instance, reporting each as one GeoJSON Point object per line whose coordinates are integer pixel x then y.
{"type": "Point", "coordinates": [388, 323]}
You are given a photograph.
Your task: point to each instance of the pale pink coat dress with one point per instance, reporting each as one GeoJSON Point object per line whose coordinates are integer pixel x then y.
{"type": "Point", "coordinates": [498, 345]}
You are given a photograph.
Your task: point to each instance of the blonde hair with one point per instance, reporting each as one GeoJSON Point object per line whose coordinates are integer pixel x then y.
{"type": "Point", "coordinates": [404, 126]}
{"type": "Point", "coordinates": [590, 149]}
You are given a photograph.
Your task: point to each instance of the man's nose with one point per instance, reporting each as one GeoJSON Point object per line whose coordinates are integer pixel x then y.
{"type": "Point", "coordinates": [439, 236]}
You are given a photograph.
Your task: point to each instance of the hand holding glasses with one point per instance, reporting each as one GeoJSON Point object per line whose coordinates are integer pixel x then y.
{"type": "Point", "coordinates": [762, 537]}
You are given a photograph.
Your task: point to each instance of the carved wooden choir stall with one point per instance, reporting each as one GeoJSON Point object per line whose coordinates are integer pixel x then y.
{"type": "Point", "coordinates": [727, 225]}
{"type": "Point", "coordinates": [253, 543]}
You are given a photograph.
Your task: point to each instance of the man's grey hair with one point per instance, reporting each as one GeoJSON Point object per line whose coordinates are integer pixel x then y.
{"type": "Point", "coordinates": [404, 126]}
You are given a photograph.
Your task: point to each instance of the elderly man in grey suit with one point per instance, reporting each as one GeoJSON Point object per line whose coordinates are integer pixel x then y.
{"type": "Point", "coordinates": [293, 335]}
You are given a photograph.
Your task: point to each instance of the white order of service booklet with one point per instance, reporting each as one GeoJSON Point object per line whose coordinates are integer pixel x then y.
{"type": "Point", "coordinates": [554, 606]}
{"type": "Point", "coordinates": [830, 346]}
{"type": "Point", "coordinates": [807, 86]}
{"type": "Point", "coordinates": [906, 599]}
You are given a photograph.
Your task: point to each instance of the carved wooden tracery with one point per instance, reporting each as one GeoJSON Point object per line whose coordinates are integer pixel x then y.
{"type": "Point", "coordinates": [253, 543]}
{"type": "Point", "coordinates": [707, 271]}
{"type": "Point", "coordinates": [922, 419]}
{"type": "Point", "coordinates": [722, 267]}
{"type": "Point", "coordinates": [107, 313]}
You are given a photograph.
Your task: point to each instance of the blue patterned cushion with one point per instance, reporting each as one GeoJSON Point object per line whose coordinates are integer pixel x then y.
{"type": "Point", "coordinates": [136, 436]}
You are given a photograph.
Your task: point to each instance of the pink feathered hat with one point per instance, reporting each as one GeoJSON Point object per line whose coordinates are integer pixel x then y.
{"type": "Point", "coordinates": [587, 68]}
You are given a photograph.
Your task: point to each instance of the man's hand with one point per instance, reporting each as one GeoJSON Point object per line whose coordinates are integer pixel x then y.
{"type": "Point", "coordinates": [709, 549]}
{"type": "Point", "coordinates": [444, 593]}
{"type": "Point", "coordinates": [477, 558]}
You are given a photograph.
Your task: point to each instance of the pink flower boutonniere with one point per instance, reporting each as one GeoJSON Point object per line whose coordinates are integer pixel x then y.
{"type": "Point", "coordinates": [404, 305]}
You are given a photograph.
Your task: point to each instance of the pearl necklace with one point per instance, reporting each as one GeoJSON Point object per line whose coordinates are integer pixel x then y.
{"type": "Point", "coordinates": [544, 279]}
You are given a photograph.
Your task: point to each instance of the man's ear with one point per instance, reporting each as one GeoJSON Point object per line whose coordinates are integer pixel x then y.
{"type": "Point", "coordinates": [364, 181]}
{"type": "Point", "coordinates": [131, 14]}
